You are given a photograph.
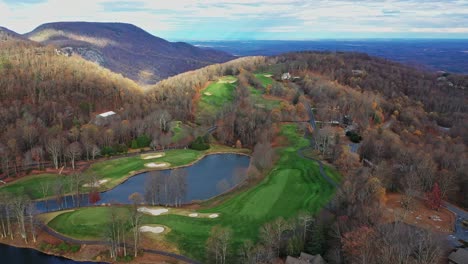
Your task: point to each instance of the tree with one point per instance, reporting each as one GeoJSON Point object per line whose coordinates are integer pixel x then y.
{"type": "Point", "coordinates": [135, 217]}
{"type": "Point", "coordinates": [54, 148]}
{"type": "Point", "coordinates": [218, 245]}
{"type": "Point", "coordinates": [434, 198]}
{"type": "Point", "coordinates": [73, 152]}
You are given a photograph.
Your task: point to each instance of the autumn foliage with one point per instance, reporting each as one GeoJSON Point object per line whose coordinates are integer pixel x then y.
{"type": "Point", "coordinates": [434, 198]}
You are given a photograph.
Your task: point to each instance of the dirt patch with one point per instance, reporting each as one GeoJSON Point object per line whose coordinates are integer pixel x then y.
{"type": "Point", "coordinates": [419, 215]}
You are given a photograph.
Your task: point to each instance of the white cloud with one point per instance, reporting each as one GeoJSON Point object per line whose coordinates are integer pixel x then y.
{"type": "Point", "coordinates": [268, 16]}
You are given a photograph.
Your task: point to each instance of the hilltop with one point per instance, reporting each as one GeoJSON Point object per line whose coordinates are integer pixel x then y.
{"type": "Point", "coordinates": [126, 49]}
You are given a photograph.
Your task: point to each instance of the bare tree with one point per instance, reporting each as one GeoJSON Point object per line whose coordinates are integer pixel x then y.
{"type": "Point", "coordinates": [135, 218]}
{"type": "Point", "coordinates": [73, 152]}
{"type": "Point", "coordinates": [54, 148]}
{"type": "Point", "coordinates": [218, 244]}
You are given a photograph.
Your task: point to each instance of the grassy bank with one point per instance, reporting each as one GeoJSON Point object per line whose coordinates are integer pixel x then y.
{"type": "Point", "coordinates": [115, 171]}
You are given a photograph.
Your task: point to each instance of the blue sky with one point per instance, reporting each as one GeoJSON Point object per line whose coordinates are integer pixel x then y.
{"type": "Point", "coordinates": [246, 19]}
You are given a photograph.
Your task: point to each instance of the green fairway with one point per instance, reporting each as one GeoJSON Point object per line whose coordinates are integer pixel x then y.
{"type": "Point", "coordinates": [216, 96]}
{"type": "Point", "coordinates": [36, 184]}
{"type": "Point", "coordinates": [264, 79]}
{"type": "Point", "coordinates": [259, 100]}
{"type": "Point", "coordinates": [292, 186]}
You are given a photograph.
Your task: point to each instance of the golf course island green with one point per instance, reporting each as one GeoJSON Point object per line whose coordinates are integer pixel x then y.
{"type": "Point", "coordinates": [293, 185]}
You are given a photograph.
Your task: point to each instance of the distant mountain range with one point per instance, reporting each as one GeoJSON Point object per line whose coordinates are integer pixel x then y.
{"type": "Point", "coordinates": [432, 54]}
{"type": "Point", "coordinates": [122, 48]}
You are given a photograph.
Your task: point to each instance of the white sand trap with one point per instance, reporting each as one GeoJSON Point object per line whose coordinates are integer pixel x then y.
{"type": "Point", "coordinates": [193, 215]}
{"type": "Point", "coordinates": [152, 211]}
{"type": "Point", "coordinates": [152, 229]}
{"type": "Point", "coordinates": [213, 215]}
{"type": "Point", "coordinates": [155, 156]}
{"type": "Point", "coordinates": [157, 165]}
{"type": "Point", "coordinates": [207, 94]}
{"type": "Point", "coordinates": [268, 75]}
{"type": "Point", "coordinates": [96, 184]}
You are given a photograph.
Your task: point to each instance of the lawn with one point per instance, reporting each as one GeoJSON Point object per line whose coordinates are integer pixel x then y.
{"type": "Point", "coordinates": [292, 186]}
{"type": "Point", "coordinates": [257, 96]}
{"type": "Point", "coordinates": [32, 185]}
{"type": "Point", "coordinates": [264, 79]}
{"type": "Point", "coordinates": [216, 96]}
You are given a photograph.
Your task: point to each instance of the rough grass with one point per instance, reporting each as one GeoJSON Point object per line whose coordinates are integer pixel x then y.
{"type": "Point", "coordinates": [292, 186]}
{"type": "Point", "coordinates": [32, 185]}
{"type": "Point", "coordinates": [258, 98]}
{"type": "Point", "coordinates": [179, 131]}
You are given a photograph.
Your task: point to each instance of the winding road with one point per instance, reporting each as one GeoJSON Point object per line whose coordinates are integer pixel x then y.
{"type": "Point", "coordinates": [459, 233]}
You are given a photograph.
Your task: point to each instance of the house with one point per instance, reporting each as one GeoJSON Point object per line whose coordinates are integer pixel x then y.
{"type": "Point", "coordinates": [460, 256]}
{"type": "Point", "coordinates": [285, 76]}
{"type": "Point", "coordinates": [106, 118]}
{"type": "Point", "coordinates": [305, 258]}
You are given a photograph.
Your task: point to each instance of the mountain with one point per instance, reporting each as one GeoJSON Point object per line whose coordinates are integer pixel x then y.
{"type": "Point", "coordinates": [126, 49]}
{"type": "Point", "coordinates": [7, 35]}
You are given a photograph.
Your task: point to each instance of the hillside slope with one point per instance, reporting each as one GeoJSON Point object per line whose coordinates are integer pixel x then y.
{"type": "Point", "coordinates": [127, 49]}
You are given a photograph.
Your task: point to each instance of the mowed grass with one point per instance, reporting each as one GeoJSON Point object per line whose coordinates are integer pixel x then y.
{"type": "Point", "coordinates": [118, 170]}
{"type": "Point", "coordinates": [263, 79]}
{"type": "Point", "coordinates": [216, 96]}
{"type": "Point", "coordinates": [261, 101]}
{"type": "Point", "coordinates": [33, 185]}
{"type": "Point", "coordinates": [292, 186]}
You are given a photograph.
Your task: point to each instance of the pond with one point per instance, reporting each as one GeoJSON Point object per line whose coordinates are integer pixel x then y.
{"type": "Point", "coordinates": [26, 256]}
{"type": "Point", "coordinates": [207, 178]}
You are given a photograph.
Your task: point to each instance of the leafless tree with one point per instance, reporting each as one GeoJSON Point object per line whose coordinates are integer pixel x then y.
{"type": "Point", "coordinates": [73, 152]}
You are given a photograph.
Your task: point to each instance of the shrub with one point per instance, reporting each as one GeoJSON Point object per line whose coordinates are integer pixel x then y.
{"type": "Point", "coordinates": [143, 141]}
{"type": "Point", "coordinates": [200, 143]}
{"type": "Point", "coordinates": [354, 136]}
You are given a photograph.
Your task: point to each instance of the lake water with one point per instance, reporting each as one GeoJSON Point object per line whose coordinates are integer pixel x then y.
{"type": "Point", "coordinates": [13, 255]}
{"type": "Point", "coordinates": [209, 177]}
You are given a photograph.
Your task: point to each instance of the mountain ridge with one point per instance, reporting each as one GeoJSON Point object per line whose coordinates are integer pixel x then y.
{"type": "Point", "coordinates": [127, 49]}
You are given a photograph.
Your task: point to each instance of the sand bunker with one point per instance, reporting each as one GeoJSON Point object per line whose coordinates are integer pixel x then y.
{"type": "Point", "coordinates": [207, 94]}
{"type": "Point", "coordinates": [95, 184]}
{"type": "Point", "coordinates": [193, 215]}
{"type": "Point", "coordinates": [153, 211]}
{"type": "Point", "coordinates": [157, 165]}
{"type": "Point", "coordinates": [155, 156]}
{"type": "Point", "coordinates": [152, 229]}
{"type": "Point", "coordinates": [213, 215]}
{"type": "Point", "coordinates": [267, 75]}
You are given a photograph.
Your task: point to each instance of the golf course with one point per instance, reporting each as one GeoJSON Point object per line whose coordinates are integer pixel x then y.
{"type": "Point", "coordinates": [293, 185]}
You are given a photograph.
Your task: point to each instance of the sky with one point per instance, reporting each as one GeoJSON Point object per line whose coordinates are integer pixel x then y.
{"type": "Point", "coordinates": [250, 20]}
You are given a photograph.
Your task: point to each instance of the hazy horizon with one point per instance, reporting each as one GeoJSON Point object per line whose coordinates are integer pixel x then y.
{"type": "Point", "coordinates": [260, 20]}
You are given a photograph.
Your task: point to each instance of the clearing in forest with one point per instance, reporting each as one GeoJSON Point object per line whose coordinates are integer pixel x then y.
{"type": "Point", "coordinates": [216, 96]}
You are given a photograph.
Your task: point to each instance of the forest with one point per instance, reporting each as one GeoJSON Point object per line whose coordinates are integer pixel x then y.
{"type": "Point", "coordinates": [410, 127]}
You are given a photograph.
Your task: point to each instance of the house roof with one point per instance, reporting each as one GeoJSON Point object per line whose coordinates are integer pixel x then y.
{"type": "Point", "coordinates": [305, 258]}
{"type": "Point", "coordinates": [106, 114]}
{"type": "Point", "coordinates": [460, 256]}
